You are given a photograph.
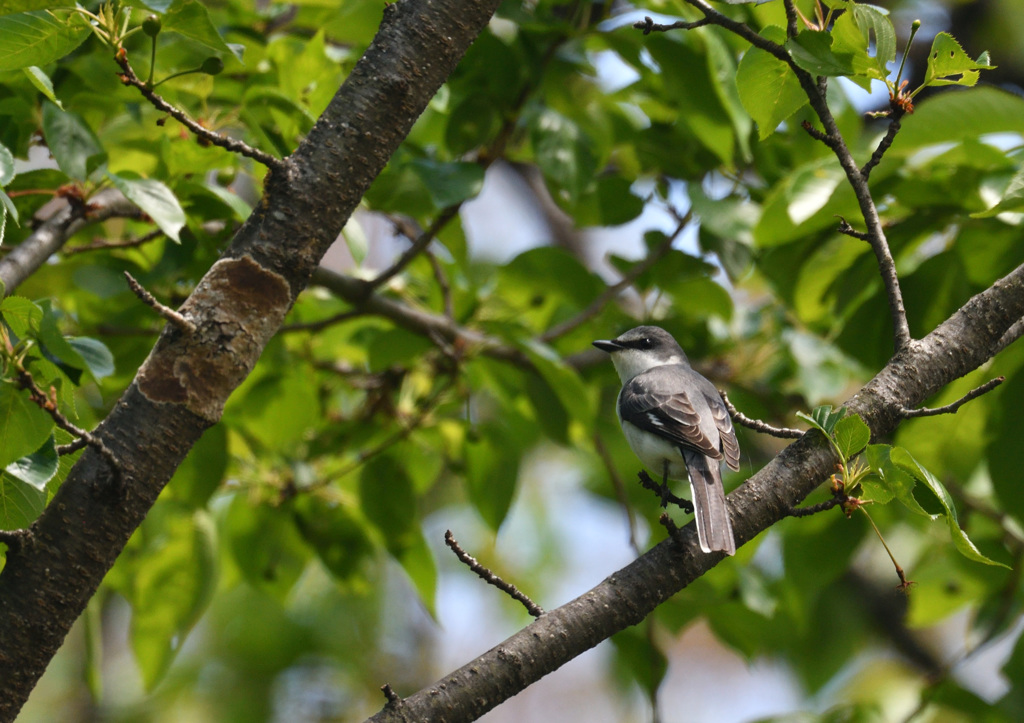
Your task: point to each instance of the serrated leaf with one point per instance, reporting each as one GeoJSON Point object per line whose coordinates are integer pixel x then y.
{"type": "Point", "coordinates": [20, 503]}
{"type": "Point", "coordinates": [851, 435]}
{"type": "Point", "coordinates": [768, 89]}
{"type": "Point", "coordinates": [37, 38]}
{"type": "Point", "coordinates": [21, 315]}
{"type": "Point", "coordinates": [37, 468]}
{"type": "Point", "coordinates": [43, 84]}
{"type": "Point", "coordinates": [947, 59]}
{"type": "Point", "coordinates": [23, 425]}
{"type": "Point", "coordinates": [904, 460]}
{"type": "Point", "coordinates": [812, 51]}
{"type": "Point", "coordinates": [896, 482]}
{"type": "Point", "coordinates": [73, 144]}
{"type": "Point", "coordinates": [823, 418]}
{"type": "Point", "coordinates": [156, 199]}
{"type": "Point", "coordinates": [95, 354]}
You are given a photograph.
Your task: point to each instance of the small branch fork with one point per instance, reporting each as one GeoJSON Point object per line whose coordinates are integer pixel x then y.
{"type": "Point", "coordinates": [128, 77]}
{"type": "Point", "coordinates": [173, 317]}
{"type": "Point", "coordinates": [831, 137]}
{"type": "Point", "coordinates": [48, 403]}
{"type": "Point", "coordinates": [490, 578]}
{"type": "Point", "coordinates": [952, 408]}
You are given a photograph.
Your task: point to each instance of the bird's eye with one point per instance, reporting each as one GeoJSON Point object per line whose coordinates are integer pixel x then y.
{"type": "Point", "coordinates": [646, 343]}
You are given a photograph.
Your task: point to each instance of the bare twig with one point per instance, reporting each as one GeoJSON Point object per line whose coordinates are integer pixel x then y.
{"type": "Point", "coordinates": [442, 283]}
{"type": "Point", "coordinates": [100, 245]}
{"type": "Point", "coordinates": [389, 693]}
{"type": "Point", "coordinates": [846, 228]}
{"type": "Point", "coordinates": [173, 317]}
{"type": "Point", "coordinates": [648, 25]}
{"type": "Point", "coordinates": [615, 289]}
{"type": "Point", "coordinates": [792, 26]}
{"type": "Point", "coordinates": [896, 116]}
{"type": "Point", "coordinates": [490, 578]}
{"type": "Point", "coordinates": [128, 77]}
{"type": "Point", "coordinates": [421, 242]}
{"type": "Point", "coordinates": [756, 424]}
{"type": "Point", "coordinates": [952, 408]}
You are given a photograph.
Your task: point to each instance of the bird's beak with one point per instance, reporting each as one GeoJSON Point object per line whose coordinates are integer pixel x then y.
{"type": "Point", "coordinates": [607, 345]}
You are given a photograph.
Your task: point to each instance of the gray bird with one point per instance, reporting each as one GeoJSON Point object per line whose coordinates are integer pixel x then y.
{"type": "Point", "coordinates": [676, 422]}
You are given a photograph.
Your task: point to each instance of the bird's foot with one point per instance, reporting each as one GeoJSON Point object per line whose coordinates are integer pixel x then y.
{"type": "Point", "coordinates": [664, 493]}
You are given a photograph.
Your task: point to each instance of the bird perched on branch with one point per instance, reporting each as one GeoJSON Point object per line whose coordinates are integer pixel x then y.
{"type": "Point", "coordinates": [677, 424]}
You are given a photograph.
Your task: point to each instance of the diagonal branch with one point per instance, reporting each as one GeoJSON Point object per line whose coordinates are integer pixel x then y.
{"type": "Point", "coordinates": [626, 597]}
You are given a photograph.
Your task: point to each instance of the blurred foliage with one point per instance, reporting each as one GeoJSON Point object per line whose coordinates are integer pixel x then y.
{"type": "Point", "coordinates": [288, 551]}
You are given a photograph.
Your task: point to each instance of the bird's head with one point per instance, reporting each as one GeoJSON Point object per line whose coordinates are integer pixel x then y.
{"type": "Point", "coordinates": [641, 348]}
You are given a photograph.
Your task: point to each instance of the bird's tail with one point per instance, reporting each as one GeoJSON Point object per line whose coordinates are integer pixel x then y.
{"type": "Point", "coordinates": [709, 509]}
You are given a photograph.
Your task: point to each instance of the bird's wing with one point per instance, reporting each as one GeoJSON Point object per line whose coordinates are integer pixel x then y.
{"type": "Point", "coordinates": [655, 404]}
{"type": "Point", "coordinates": [719, 412]}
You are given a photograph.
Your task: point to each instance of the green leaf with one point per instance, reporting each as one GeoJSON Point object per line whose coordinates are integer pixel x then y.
{"type": "Point", "coordinates": [492, 470]}
{"type": "Point", "coordinates": [419, 565]}
{"type": "Point", "coordinates": [897, 482]}
{"type": "Point", "coordinates": [37, 38]}
{"type": "Point", "coordinates": [449, 183]}
{"type": "Point", "coordinates": [23, 425]}
{"type": "Point", "coordinates": [6, 166]}
{"type": "Point", "coordinates": [563, 153]}
{"type": "Point", "coordinates": [851, 435]}
{"type": "Point", "coordinates": [174, 580]}
{"type": "Point", "coordinates": [37, 468]}
{"type": "Point", "coordinates": [875, 20]}
{"type": "Point", "coordinates": [156, 200]}
{"type": "Point", "coordinates": [265, 545]}
{"type": "Point", "coordinates": [42, 83]}
{"type": "Point", "coordinates": [74, 146]}
{"type": "Point", "coordinates": [95, 354]}
{"type": "Point", "coordinates": [564, 382]}
{"type": "Point", "coordinates": [20, 503]}
{"type": "Point", "coordinates": [202, 471]}
{"type": "Point", "coordinates": [767, 87]}
{"type": "Point", "coordinates": [823, 418]}
{"type": "Point", "coordinates": [192, 19]}
{"type": "Point", "coordinates": [903, 459]}
{"type": "Point", "coordinates": [812, 51]}
{"type": "Point", "coordinates": [947, 59]}
{"type": "Point", "coordinates": [21, 315]}
{"type": "Point", "coordinates": [1011, 200]}
{"type": "Point", "coordinates": [336, 534]}
{"type": "Point", "coordinates": [387, 499]}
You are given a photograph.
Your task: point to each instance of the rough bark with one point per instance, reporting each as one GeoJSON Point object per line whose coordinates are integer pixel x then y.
{"type": "Point", "coordinates": [180, 390]}
{"type": "Point", "coordinates": [964, 342]}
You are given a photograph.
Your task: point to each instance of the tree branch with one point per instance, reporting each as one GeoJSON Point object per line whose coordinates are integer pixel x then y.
{"type": "Point", "coordinates": [490, 578]}
{"type": "Point", "coordinates": [625, 598]}
{"type": "Point", "coordinates": [54, 232]}
{"type": "Point", "coordinates": [236, 307]}
{"type": "Point", "coordinates": [952, 408]}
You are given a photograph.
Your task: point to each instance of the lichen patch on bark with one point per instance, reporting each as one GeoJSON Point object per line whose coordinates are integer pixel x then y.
{"type": "Point", "coordinates": [236, 308]}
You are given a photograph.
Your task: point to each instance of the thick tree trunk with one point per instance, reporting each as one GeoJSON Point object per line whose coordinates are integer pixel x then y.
{"type": "Point", "coordinates": [237, 307]}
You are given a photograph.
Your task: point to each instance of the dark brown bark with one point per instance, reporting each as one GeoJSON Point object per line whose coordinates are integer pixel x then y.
{"type": "Point", "coordinates": [963, 343]}
{"type": "Point", "coordinates": [236, 308]}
